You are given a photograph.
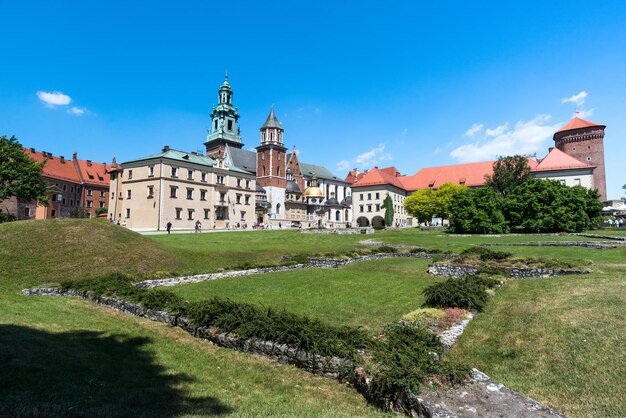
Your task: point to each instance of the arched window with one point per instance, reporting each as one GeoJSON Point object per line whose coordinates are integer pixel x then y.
{"type": "Point", "coordinates": [278, 171]}
{"type": "Point", "coordinates": [277, 209]}
{"type": "Point", "coordinates": [337, 216]}
{"type": "Point", "coordinates": [263, 168]}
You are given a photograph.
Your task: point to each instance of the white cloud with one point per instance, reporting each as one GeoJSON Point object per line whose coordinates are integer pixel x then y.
{"type": "Point", "coordinates": [373, 157]}
{"type": "Point", "coordinates": [77, 111]}
{"type": "Point", "coordinates": [578, 99]}
{"type": "Point", "coordinates": [55, 98]}
{"type": "Point", "coordinates": [526, 137]}
{"type": "Point", "coordinates": [497, 131]}
{"type": "Point", "coordinates": [477, 127]}
{"type": "Point", "coordinates": [583, 113]}
{"type": "Point", "coordinates": [404, 131]}
{"type": "Point", "coordinates": [343, 165]}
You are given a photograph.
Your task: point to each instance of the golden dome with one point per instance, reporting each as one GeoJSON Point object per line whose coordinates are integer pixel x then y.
{"type": "Point", "coordinates": [313, 191]}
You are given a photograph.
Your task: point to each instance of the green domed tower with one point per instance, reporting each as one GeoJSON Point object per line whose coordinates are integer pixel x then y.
{"type": "Point", "coordinates": [224, 123]}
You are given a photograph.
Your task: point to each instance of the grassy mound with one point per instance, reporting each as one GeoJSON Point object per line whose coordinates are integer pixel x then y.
{"type": "Point", "coordinates": [36, 252]}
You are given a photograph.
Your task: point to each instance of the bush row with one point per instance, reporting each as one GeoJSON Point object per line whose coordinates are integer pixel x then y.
{"type": "Point", "coordinates": [469, 292]}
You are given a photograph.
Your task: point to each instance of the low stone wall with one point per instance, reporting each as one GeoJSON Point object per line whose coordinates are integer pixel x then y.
{"type": "Point", "coordinates": [313, 263]}
{"type": "Point", "coordinates": [338, 231]}
{"type": "Point", "coordinates": [333, 367]}
{"type": "Point", "coordinates": [600, 245]}
{"type": "Point", "coordinates": [459, 270]}
{"type": "Point", "coordinates": [611, 237]}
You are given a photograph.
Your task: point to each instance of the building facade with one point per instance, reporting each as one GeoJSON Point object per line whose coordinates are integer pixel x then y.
{"type": "Point", "coordinates": [181, 188]}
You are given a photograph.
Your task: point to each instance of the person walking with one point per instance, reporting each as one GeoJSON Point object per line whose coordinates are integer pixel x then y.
{"type": "Point", "coordinates": [198, 226]}
{"type": "Point", "coordinates": [169, 227]}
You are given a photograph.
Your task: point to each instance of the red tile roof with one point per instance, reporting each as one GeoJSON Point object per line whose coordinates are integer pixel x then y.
{"type": "Point", "coordinates": [55, 168]}
{"type": "Point", "coordinates": [558, 160]}
{"type": "Point", "coordinates": [94, 173]}
{"type": "Point", "coordinates": [378, 176]}
{"type": "Point", "coordinates": [578, 123]}
{"type": "Point", "coordinates": [471, 174]}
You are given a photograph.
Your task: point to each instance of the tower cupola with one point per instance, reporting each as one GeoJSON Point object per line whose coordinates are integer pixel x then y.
{"type": "Point", "coordinates": [224, 128]}
{"type": "Point", "coordinates": [272, 130]}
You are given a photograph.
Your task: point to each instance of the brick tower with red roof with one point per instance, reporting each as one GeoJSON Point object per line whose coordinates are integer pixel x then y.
{"type": "Point", "coordinates": [584, 141]}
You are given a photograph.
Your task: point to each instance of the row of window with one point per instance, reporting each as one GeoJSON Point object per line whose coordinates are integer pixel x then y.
{"type": "Point", "coordinates": [220, 214]}
{"type": "Point", "coordinates": [219, 179]}
{"type": "Point", "coordinates": [190, 195]}
{"type": "Point", "coordinates": [397, 208]}
{"type": "Point", "coordinates": [89, 191]}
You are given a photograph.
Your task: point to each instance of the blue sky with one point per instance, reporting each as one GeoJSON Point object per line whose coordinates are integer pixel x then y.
{"type": "Point", "coordinates": [355, 84]}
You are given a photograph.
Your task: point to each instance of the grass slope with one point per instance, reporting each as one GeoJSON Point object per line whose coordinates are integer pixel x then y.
{"type": "Point", "coordinates": [62, 356]}
{"type": "Point", "coordinates": [368, 294]}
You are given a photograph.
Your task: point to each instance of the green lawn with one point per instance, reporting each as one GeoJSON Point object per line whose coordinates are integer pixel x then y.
{"type": "Point", "coordinates": [63, 356]}
{"type": "Point", "coordinates": [560, 340]}
{"type": "Point", "coordinates": [368, 294]}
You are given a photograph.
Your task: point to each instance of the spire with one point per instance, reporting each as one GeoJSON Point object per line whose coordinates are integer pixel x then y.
{"type": "Point", "coordinates": [272, 121]}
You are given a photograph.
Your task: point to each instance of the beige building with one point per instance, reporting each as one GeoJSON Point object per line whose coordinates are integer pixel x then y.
{"type": "Point", "coordinates": [181, 188]}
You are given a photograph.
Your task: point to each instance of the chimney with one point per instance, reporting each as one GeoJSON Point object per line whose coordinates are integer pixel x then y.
{"type": "Point", "coordinates": [166, 148]}
{"type": "Point", "coordinates": [62, 158]}
{"type": "Point", "coordinates": [74, 156]}
{"type": "Point", "coordinates": [88, 163]}
{"type": "Point", "coordinates": [32, 150]}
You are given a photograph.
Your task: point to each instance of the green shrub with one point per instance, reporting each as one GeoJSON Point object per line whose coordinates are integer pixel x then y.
{"type": "Point", "coordinates": [296, 259]}
{"type": "Point", "coordinates": [407, 356]}
{"type": "Point", "coordinates": [485, 254]}
{"type": "Point", "coordinates": [386, 249]}
{"type": "Point", "coordinates": [378, 227]}
{"type": "Point", "coordinates": [424, 314]}
{"type": "Point", "coordinates": [100, 211]}
{"type": "Point", "coordinates": [7, 217]}
{"type": "Point", "coordinates": [163, 300]}
{"type": "Point", "coordinates": [115, 284]}
{"type": "Point", "coordinates": [467, 293]}
{"type": "Point", "coordinates": [426, 250]}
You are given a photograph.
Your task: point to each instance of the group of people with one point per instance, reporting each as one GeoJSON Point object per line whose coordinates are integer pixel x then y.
{"type": "Point", "coordinates": [617, 223]}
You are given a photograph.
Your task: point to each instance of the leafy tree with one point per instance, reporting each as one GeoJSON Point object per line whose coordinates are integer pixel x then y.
{"type": "Point", "coordinates": [426, 204]}
{"type": "Point", "coordinates": [388, 205]}
{"type": "Point", "coordinates": [549, 206]}
{"type": "Point", "coordinates": [444, 197]}
{"type": "Point", "coordinates": [508, 173]}
{"type": "Point", "coordinates": [100, 211]}
{"type": "Point", "coordinates": [421, 204]}
{"type": "Point", "coordinates": [478, 211]}
{"type": "Point", "coordinates": [20, 176]}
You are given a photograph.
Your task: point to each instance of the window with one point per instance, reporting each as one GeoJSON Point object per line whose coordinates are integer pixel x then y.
{"type": "Point", "coordinates": [202, 194]}
{"type": "Point", "coordinates": [378, 196]}
{"type": "Point", "coordinates": [174, 172]}
{"type": "Point", "coordinates": [222, 197]}
{"type": "Point", "coordinates": [360, 208]}
{"type": "Point", "coordinates": [90, 176]}
{"type": "Point", "coordinates": [101, 204]}
{"type": "Point", "coordinates": [219, 179]}
{"type": "Point", "coordinates": [247, 184]}
{"type": "Point", "coordinates": [89, 192]}
{"type": "Point", "coordinates": [238, 182]}
{"type": "Point", "coordinates": [377, 207]}
{"type": "Point", "coordinates": [27, 212]}
{"type": "Point", "coordinates": [71, 202]}
{"type": "Point", "coordinates": [90, 203]}
{"type": "Point", "coordinates": [178, 212]}
{"type": "Point", "coordinates": [128, 194]}
{"type": "Point", "coordinates": [150, 192]}
{"type": "Point", "coordinates": [263, 156]}
{"type": "Point", "coordinates": [63, 202]}
{"type": "Point", "coordinates": [247, 200]}
{"type": "Point", "coordinates": [101, 193]}
{"type": "Point", "coordinates": [72, 189]}
{"type": "Point", "coordinates": [238, 199]}
{"type": "Point", "coordinates": [151, 171]}
{"type": "Point", "coordinates": [221, 214]}
{"type": "Point", "coordinates": [230, 125]}
{"type": "Point", "coordinates": [190, 214]}
{"type": "Point", "coordinates": [64, 188]}
{"type": "Point", "coordinates": [369, 208]}
{"type": "Point", "coordinates": [206, 213]}
{"type": "Point", "coordinates": [243, 215]}
{"type": "Point", "coordinates": [562, 182]}
{"type": "Point", "coordinates": [189, 174]}
{"type": "Point", "coordinates": [53, 213]}
{"type": "Point", "coordinates": [369, 196]}
{"type": "Point", "coordinates": [361, 196]}
{"type": "Point", "coordinates": [576, 182]}
{"type": "Point", "coordinates": [189, 194]}
{"type": "Point", "coordinates": [588, 158]}
{"type": "Point", "coordinates": [173, 191]}
{"type": "Point", "coordinates": [203, 177]}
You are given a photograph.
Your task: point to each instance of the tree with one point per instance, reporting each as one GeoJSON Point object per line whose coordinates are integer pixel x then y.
{"type": "Point", "coordinates": [388, 205]}
{"type": "Point", "coordinates": [444, 197]}
{"type": "Point", "coordinates": [549, 206]}
{"type": "Point", "coordinates": [20, 176]}
{"type": "Point", "coordinates": [478, 211]}
{"type": "Point", "coordinates": [426, 204]}
{"type": "Point", "coordinates": [421, 204]}
{"type": "Point", "coordinates": [508, 173]}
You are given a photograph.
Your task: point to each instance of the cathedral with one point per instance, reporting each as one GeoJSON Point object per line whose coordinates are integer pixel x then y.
{"type": "Point", "coordinates": [289, 192]}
